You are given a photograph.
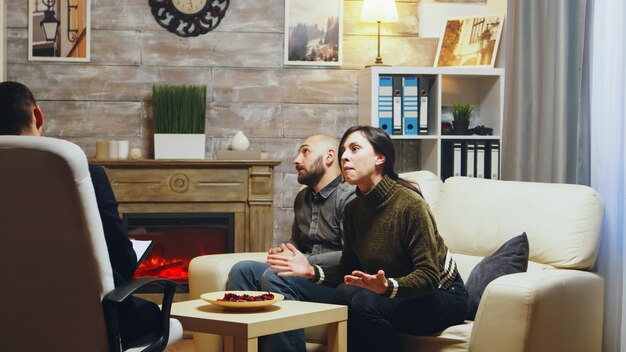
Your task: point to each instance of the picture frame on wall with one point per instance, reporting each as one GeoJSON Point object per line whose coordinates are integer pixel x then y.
{"type": "Point", "coordinates": [470, 41]}
{"type": "Point", "coordinates": [59, 30]}
{"type": "Point", "coordinates": [313, 32]}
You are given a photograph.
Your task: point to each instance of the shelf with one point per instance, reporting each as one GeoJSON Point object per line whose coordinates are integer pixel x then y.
{"type": "Point", "coordinates": [424, 70]}
{"type": "Point", "coordinates": [481, 87]}
{"type": "Point", "coordinates": [470, 137]}
{"type": "Point", "coordinates": [417, 137]}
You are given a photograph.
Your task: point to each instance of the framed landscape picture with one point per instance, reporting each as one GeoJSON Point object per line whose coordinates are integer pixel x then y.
{"type": "Point", "coordinates": [59, 30]}
{"type": "Point", "coordinates": [470, 41]}
{"type": "Point", "coordinates": [313, 32]}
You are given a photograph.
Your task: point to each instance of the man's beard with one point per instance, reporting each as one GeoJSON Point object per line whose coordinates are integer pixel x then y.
{"type": "Point", "coordinates": [314, 174]}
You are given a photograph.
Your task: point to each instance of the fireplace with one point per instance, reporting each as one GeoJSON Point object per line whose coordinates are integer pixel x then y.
{"type": "Point", "coordinates": [176, 239]}
{"type": "Point", "coordinates": [241, 187]}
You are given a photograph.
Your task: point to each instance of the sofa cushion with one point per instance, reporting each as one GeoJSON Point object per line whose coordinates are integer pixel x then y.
{"type": "Point", "coordinates": [453, 339]}
{"type": "Point", "coordinates": [562, 221]}
{"type": "Point", "coordinates": [511, 257]}
{"type": "Point", "coordinates": [429, 184]}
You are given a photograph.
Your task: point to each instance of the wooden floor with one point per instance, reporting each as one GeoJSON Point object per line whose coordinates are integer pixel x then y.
{"type": "Point", "coordinates": [184, 345]}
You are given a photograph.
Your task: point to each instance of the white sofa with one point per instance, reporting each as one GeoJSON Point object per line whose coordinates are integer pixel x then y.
{"type": "Point", "coordinates": [557, 305]}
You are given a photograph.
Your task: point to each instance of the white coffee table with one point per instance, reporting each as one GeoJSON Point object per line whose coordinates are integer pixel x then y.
{"type": "Point", "coordinates": [241, 329]}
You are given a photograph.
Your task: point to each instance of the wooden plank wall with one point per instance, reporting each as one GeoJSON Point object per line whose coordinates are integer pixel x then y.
{"type": "Point", "coordinates": [241, 62]}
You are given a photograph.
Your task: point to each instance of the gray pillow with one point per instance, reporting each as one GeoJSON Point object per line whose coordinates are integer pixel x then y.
{"type": "Point", "coordinates": [511, 257]}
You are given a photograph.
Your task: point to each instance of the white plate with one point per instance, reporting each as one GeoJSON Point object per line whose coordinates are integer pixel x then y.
{"type": "Point", "coordinates": [212, 297]}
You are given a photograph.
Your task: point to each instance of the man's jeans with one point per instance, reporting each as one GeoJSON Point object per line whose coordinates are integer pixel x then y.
{"type": "Point", "coordinates": [257, 276]}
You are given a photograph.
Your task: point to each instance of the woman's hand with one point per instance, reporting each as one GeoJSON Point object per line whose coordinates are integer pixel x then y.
{"type": "Point", "coordinates": [295, 265]}
{"type": "Point", "coordinates": [376, 283]}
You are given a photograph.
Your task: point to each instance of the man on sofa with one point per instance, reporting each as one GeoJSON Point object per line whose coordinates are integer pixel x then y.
{"type": "Point", "coordinates": [139, 319]}
{"type": "Point", "coordinates": [316, 232]}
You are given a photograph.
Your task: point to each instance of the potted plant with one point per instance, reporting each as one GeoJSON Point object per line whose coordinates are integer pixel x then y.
{"type": "Point", "coordinates": [179, 121]}
{"type": "Point", "coordinates": [461, 114]}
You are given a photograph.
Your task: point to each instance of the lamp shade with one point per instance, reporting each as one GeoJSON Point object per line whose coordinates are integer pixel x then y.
{"type": "Point", "coordinates": [379, 11]}
{"type": "Point", "coordinates": [50, 24]}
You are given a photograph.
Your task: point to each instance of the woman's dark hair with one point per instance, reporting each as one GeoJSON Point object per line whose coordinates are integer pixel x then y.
{"type": "Point", "coordinates": [383, 145]}
{"type": "Point", "coordinates": [16, 107]}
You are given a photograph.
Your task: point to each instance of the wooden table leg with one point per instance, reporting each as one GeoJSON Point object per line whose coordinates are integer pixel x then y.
{"type": "Point", "coordinates": [338, 336]}
{"type": "Point", "coordinates": [228, 344]}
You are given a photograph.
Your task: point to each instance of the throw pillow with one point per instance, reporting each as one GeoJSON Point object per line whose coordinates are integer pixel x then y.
{"type": "Point", "coordinates": [511, 257]}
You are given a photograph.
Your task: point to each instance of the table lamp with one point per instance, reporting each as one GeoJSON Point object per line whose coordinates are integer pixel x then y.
{"type": "Point", "coordinates": [379, 11]}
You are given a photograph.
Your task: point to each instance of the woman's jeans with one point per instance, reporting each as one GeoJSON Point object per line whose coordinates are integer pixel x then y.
{"type": "Point", "coordinates": [374, 321]}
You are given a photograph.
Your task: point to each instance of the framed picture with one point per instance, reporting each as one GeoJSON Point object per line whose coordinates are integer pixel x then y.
{"type": "Point", "coordinates": [470, 41]}
{"type": "Point", "coordinates": [59, 30]}
{"type": "Point", "coordinates": [313, 32]}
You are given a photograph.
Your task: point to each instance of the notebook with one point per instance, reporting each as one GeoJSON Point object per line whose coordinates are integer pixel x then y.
{"type": "Point", "coordinates": [141, 247]}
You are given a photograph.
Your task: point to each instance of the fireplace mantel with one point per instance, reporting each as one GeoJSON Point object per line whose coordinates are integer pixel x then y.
{"type": "Point", "coordinates": [244, 188]}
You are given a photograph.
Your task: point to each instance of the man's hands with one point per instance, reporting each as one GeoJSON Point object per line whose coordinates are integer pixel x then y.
{"type": "Point", "coordinates": [281, 250]}
{"type": "Point", "coordinates": [295, 264]}
{"type": "Point", "coordinates": [376, 283]}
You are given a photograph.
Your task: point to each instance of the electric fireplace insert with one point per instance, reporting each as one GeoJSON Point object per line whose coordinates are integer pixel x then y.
{"type": "Point", "coordinates": [176, 239]}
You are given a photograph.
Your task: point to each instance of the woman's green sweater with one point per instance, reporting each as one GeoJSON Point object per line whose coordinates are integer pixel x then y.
{"type": "Point", "coordinates": [391, 228]}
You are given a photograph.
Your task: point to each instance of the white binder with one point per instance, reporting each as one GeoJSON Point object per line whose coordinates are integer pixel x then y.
{"type": "Point", "coordinates": [495, 161]}
{"type": "Point", "coordinates": [457, 158]}
{"type": "Point", "coordinates": [480, 159]}
{"type": "Point", "coordinates": [470, 159]}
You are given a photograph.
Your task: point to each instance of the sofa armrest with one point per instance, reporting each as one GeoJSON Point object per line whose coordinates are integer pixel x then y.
{"type": "Point", "coordinates": [550, 310]}
{"type": "Point", "coordinates": [209, 273]}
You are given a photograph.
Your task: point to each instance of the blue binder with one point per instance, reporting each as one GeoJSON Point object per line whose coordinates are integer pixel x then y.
{"type": "Point", "coordinates": [410, 102]}
{"type": "Point", "coordinates": [385, 103]}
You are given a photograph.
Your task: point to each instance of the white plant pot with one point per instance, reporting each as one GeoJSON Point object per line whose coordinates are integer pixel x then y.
{"type": "Point", "coordinates": [179, 146]}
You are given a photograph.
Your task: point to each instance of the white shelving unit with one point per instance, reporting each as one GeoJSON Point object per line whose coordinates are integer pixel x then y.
{"type": "Point", "coordinates": [482, 87]}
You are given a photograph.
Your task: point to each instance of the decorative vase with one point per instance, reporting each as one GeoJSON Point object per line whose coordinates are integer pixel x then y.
{"type": "Point", "coordinates": [239, 142]}
{"type": "Point", "coordinates": [461, 127]}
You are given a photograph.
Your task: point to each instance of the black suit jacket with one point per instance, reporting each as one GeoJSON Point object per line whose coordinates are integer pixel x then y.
{"type": "Point", "coordinates": [121, 253]}
{"type": "Point", "coordinates": [139, 319]}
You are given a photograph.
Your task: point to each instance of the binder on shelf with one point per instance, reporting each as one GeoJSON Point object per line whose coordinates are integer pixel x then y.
{"type": "Point", "coordinates": [458, 159]}
{"type": "Point", "coordinates": [471, 159]}
{"type": "Point", "coordinates": [397, 105]}
{"type": "Point", "coordinates": [423, 104]}
{"type": "Point", "coordinates": [409, 104]}
{"type": "Point", "coordinates": [494, 147]}
{"type": "Point", "coordinates": [385, 103]}
{"type": "Point", "coordinates": [447, 159]}
{"type": "Point", "coordinates": [480, 159]}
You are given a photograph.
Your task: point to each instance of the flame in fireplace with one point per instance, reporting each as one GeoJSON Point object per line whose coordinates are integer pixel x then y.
{"type": "Point", "coordinates": [174, 248]}
{"type": "Point", "coordinates": [169, 268]}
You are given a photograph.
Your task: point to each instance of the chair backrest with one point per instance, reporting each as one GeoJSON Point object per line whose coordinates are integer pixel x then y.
{"type": "Point", "coordinates": [53, 256]}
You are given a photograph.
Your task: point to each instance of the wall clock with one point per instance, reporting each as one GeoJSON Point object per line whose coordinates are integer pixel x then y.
{"type": "Point", "coordinates": [189, 18]}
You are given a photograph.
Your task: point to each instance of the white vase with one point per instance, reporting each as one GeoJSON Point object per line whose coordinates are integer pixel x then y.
{"type": "Point", "coordinates": [239, 142]}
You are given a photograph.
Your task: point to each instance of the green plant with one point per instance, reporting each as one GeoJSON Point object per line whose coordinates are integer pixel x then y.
{"type": "Point", "coordinates": [179, 108]}
{"type": "Point", "coordinates": [461, 111]}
